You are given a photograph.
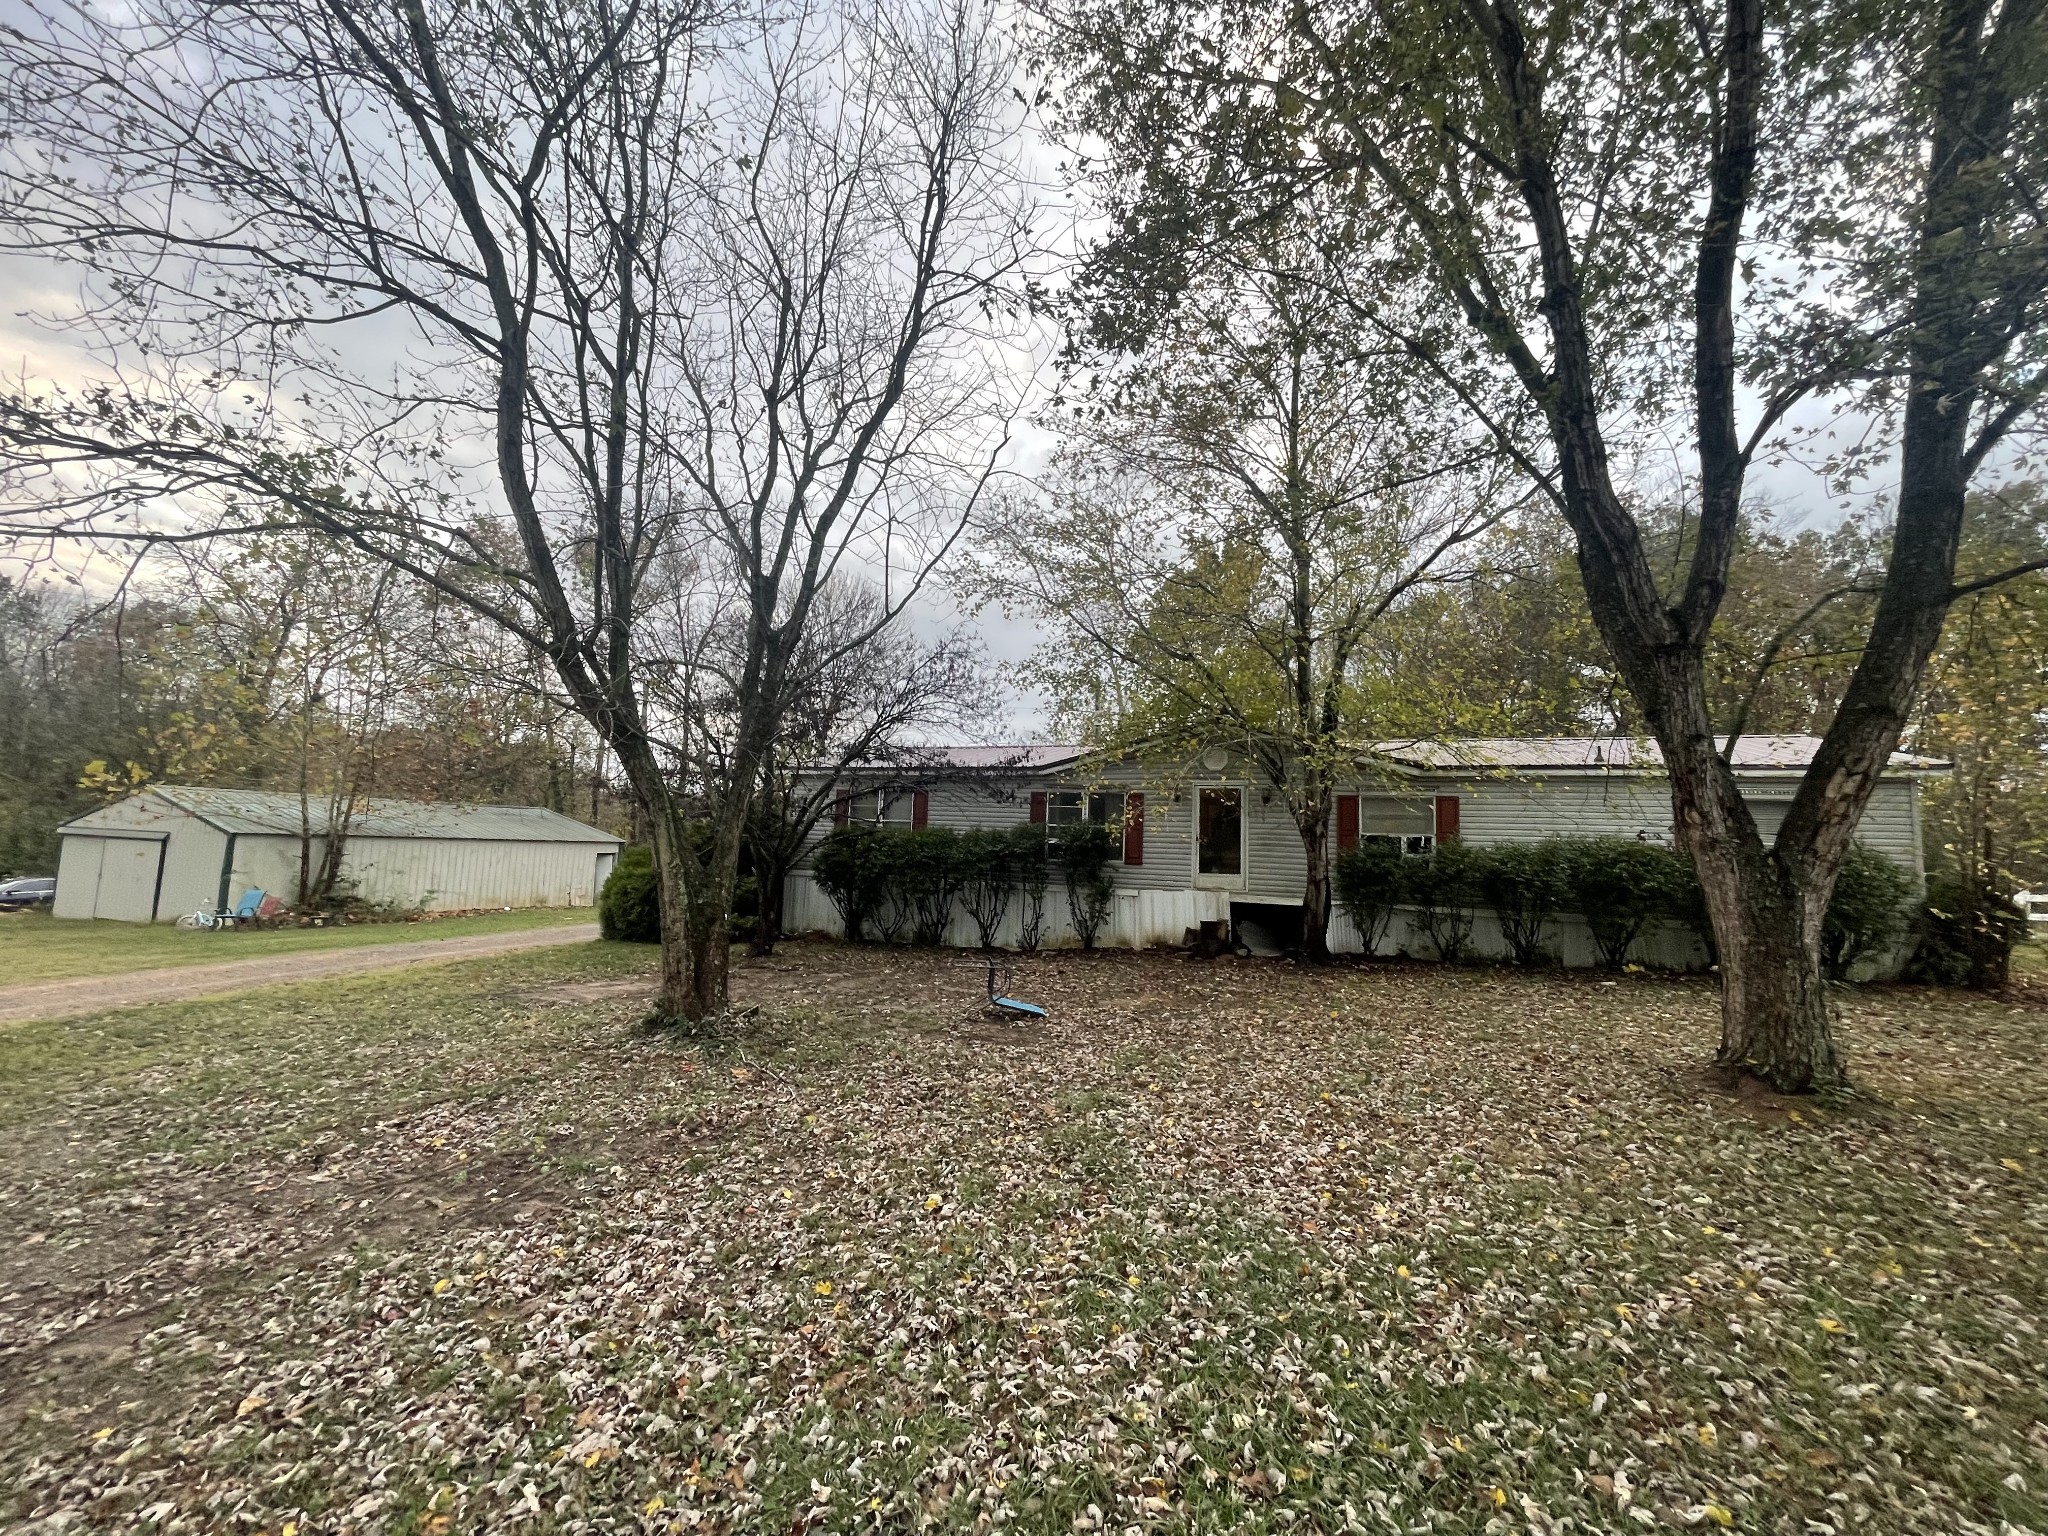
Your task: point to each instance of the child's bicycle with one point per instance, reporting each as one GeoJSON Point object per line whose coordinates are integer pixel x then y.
{"type": "Point", "coordinates": [248, 910]}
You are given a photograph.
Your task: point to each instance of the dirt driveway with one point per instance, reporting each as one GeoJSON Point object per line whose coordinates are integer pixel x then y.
{"type": "Point", "coordinates": [173, 984]}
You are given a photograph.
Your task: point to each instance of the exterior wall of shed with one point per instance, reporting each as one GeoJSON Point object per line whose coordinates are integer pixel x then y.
{"type": "Point", "coordinates": [190, 871]}
{"type": "Point", "coordinates": [433, 874]}
{"type": "Point", "coordinates": [1158, 902]}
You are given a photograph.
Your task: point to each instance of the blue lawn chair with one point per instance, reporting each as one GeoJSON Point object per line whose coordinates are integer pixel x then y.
{"type": "Point", "coordinates": [248, 907]}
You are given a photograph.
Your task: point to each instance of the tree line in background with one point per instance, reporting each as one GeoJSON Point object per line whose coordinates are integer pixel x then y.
{"type": "Point", "coordinates": [277, 666]}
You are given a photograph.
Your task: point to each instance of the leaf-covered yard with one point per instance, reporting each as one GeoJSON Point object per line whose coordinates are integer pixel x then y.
{"type": "Point", "coordinates": [1227, 1246]}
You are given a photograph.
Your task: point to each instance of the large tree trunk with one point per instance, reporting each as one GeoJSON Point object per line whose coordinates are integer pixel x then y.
{"type": "Point", "coordinates": [1314, 825]}
{"type": "Point", "coordinates": [1766, 918]}
{"type": "Point", "coordinates": [695, 900]}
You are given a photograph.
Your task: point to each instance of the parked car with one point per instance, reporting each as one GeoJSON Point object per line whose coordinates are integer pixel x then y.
{"type": "Point", "coordinates": [37, 891]}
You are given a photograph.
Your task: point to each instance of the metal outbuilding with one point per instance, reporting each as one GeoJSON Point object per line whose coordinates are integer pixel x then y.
{"type": "Point", "coordinates": [172, 849]}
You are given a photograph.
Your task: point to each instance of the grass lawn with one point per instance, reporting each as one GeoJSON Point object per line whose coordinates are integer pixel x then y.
{"type": "Point", "coordinates": [1224, 1247]}
{"type": "Point", "coordinates": [37, 947]}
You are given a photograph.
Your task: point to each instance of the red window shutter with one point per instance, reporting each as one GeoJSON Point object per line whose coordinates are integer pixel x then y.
{"type": "Point", "coordinates": [1446, 817]}
{"type": "Point", "coordinates": [920, 810]}
{"type": "Point", "coordinates": [1038, 805]}
{"type": "Point", "coordinates": [842, 807]}
{"type": "Point", "coordinates": [1134, 828]}
{"type": "Point", "coordinates": [1347, 823]}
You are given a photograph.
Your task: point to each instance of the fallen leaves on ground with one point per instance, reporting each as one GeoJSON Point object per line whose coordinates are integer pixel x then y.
{"type": "Point", "coordinates": [1221, 1247]}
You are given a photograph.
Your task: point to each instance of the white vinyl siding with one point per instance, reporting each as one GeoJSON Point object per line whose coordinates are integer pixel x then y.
{"type": "Point", "coordinates": [1158, 901]}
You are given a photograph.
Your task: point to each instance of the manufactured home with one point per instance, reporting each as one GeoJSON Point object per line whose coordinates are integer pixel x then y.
{"type": "Point", "coordinates": [1208, 841]}
{"type": "Point", "coordinates": [172, 849]}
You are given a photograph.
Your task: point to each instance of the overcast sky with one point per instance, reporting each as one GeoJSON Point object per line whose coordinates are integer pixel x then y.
{"type": "Point", "coordinates": [31, 350]}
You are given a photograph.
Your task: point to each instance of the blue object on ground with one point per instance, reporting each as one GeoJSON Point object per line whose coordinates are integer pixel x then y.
{"type": "Point", "coordinates": [1018, 1005]}
{"type": "Point", "coordinates": [247, 908]}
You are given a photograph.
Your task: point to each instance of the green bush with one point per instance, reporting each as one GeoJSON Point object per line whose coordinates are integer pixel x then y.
{"type": "Point", "coordinates": [1867, 913]}
{"type": "Point", "coordinates": [1444, 889]}
{"type": "Point", "coordinates": [1033, 864]}
{"type": "Point", "coordinates": [1086, 849]}
{"type": "Point", "coordinates": [926, 872]}
{"type": "Point", "coordinates": [1370, 883]}
{"type": "Point", "coordinates": [1966, 936]}
{"type": "Point", "coordinates": [629, 906]}
{"type": "Point", "coordinates": [988, 866]}
{"type": "Point", "coordinates": [851, 867]}
{"type": "Point", "coordinates": [1525, 885]}
{"type": "Point", "coordinates": [1620, 886]}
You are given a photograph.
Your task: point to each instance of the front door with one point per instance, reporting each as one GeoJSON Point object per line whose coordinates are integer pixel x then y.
{"type": "Point", "coordinates": [1219, 837]}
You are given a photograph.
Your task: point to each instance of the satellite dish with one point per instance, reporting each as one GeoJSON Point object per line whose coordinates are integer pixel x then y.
{"type": "Point", "coordinates": [1216, 759]}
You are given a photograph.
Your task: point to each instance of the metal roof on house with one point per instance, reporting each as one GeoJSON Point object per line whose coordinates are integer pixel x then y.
{"type": "Point", "coordinates": [1021, 757]}
{"type": "Point", "coordinates": [268, 812]}
{"type": "Point", "coordinates": [1607, 753]}
{"type": "Point", "coordinates": [1511, 754]}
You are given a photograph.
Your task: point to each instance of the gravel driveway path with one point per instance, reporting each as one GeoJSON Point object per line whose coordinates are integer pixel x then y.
{"type": "Point", "coordinates": [177, 984]}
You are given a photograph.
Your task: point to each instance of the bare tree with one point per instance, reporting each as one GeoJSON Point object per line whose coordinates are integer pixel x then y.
{"type": "Point", "coordinates": [860, 694]}
{"type": "Point", "coordinates": [519, 304]}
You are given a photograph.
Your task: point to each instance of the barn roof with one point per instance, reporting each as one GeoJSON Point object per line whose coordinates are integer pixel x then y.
{"type": "Point", "coordinates": [267, 812]}
{"type": "Point", "coordinates": [1607, 753]}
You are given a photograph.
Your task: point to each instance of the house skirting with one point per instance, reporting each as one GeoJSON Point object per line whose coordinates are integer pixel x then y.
{"type": "Point", "coordinates": [1140, 919]}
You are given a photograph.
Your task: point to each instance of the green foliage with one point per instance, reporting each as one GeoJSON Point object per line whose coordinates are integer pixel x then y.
{"type": "Point", "coordinates": [905, 883]}
{"type": "Point", "coordinates": [1086, 849]}
{"type": "Point", "coordinates": [1444, 888]}
{"type": "Point", "coordinates": [1867, 913]}
{"type": "Point", "coordinates": [1369, 881]}
{"type": "Point", "coordinates": [851, 866]}
{"type": "Point", "coordinates": [1967, 934]}
{"type": "Point", "coordinates": [927, 873]}
{"type": "Point", "coordinates": [629, 906]}
{"type": "Point", "coordinates": [1620, 886]}
{"type": "Point", "coordinates": [1034, 874]}
{"type": "Point", "coordinates": [1524, 884]}
{"type": "Point", "coordinates": [988, 868]}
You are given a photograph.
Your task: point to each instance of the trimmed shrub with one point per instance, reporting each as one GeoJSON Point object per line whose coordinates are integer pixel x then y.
{"type": "Point", "coordinates": [1620, 886]}
{"type": "Point", "coordinates": [1370, 883]}
{"type": "Point", "coordinates": [1444, 890]}
{"type": "Point", "coordinates": [926, 878]}
{"type": "Point", "coordinates": [1525, 885]}
{"type": "Point", "coordinates": [1034, 874]}
{"type": "Point", "coordinates": [851, 868]}
{"type": "Point", "coordinates": [1867, 913]}
{"type": "Point", "coordinates": [1085, 851]}
{"type": "Point", "coordinates": [629, 906]}
{"type": "Point", "coordinates": [1966, 936]}
{"type": "Point", "coordinates": [988, 865]}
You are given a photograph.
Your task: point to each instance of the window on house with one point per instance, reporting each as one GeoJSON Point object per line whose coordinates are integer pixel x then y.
{"type": "Point", "coordinates": [1063, 807]}
{"type": "Point", "coordinates": [1413, 844]}
{"type": "Point", "coordinates": [1219, 847]}
{"type": "Point", "coordinates": [1066, 806]}
{"type": "Point", "coordinates": [882, 807]}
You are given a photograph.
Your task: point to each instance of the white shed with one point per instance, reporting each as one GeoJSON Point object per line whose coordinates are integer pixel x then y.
{"type": "Point", "coordinates": [171, 849]}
